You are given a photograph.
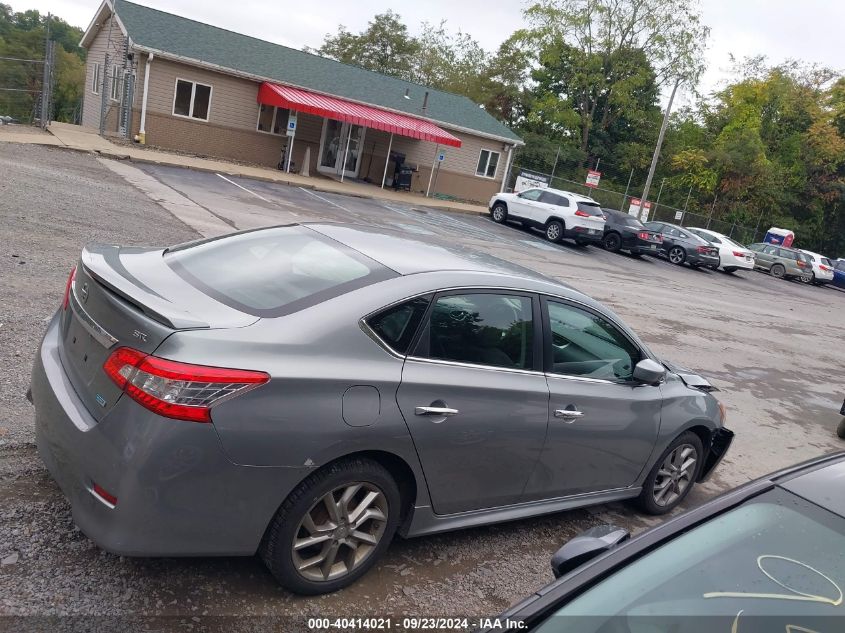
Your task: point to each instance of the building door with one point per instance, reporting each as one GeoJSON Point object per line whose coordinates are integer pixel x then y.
{"type": "Point", "coordinates": [333, 148]}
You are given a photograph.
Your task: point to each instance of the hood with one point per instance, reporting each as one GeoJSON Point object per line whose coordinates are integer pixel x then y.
{"type": "Point", "coordinates": [690, 378]}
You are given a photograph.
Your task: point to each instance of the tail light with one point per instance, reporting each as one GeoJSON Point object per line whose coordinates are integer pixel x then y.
{"type": "Point", "coordinates": [643, 235]}
{"type": "Point", "coordinates": [824, 268]}
{"type": "Point", "coordinates": [703, 249]}
{"type": "Point", "coordinates": [802, 264]}
{"type": "Point", "coordinates": [659, 237]}
{"type": "Point", "coordinates": [581, 214]}
{"type": "Point", "coordinates": [739, 254]}
{"type": "Point", "coordinates": [177, 390]}
{"type": "Point", "coordinates": [68, 286]}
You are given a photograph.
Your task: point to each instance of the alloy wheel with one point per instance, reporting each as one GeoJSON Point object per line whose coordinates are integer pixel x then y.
{"type": "Point", "coordinates": [676, 255]}
{"type": "Point", "coordinates": [553, 232]}
{"type": "Point", "coordinates": [675, 474]}
{"type": "Point", "coordinates": [778, 271]}
{"type": "Point", "coordinates": [340, 531]}
{"type": "Point", "coordinates": [612, 242]}
{"type": "Point", "coordinates": [498, 213]}
{"type": "Point", "coordinates": [806, 279]}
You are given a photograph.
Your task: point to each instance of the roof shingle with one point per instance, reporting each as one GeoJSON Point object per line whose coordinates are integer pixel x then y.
{"type": "Point", "coordinates": [154, 29]}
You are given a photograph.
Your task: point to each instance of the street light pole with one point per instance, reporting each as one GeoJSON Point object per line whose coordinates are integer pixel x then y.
{"type": "Point", "coordinates": [659, 141]}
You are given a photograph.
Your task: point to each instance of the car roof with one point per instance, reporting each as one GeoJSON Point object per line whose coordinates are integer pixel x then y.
{"type": "Point", "coordinates": [563, 192]}
{"type": "Point", "coordinates": [822, 486]}
{"type": "Point", "coordinates": [408, 256]}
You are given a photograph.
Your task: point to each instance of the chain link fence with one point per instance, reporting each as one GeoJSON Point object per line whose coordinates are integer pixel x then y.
{"type": "Point", "coordinates": [619, 186]}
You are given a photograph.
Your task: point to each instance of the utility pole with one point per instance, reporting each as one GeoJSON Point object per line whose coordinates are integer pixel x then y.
{"type": "Point", "coordinates": [627, 187]}
{"type": "Point", "coordinates": [555, 166]}
{"type": "Point", "coordinates": [660, 141]}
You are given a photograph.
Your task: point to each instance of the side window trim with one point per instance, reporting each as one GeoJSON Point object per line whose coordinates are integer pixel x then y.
{"type": "Point", "coordinates": [536, 320]}
{"type": "Point", "coordinates": [548, 361]}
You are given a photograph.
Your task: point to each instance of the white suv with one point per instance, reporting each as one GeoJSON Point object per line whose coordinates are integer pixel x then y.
{"type": "Point", "coordinates": [558, 213]}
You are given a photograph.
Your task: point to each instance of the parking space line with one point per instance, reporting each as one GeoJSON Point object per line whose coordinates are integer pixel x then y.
{"type": "Point", "coordinates": [326, 200]}
{"type": "Point", "coordinates": [260, 197]}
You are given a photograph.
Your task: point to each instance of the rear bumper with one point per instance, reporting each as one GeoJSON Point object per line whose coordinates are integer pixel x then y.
{"type": "Point", "coordinates": [702, 260]}
{"type": "Point", "coordinates": [740, 264]}
{"type": "Point", "coordinates": [582, 234]}
{"type": "Point", "coordinates": [177, 493]}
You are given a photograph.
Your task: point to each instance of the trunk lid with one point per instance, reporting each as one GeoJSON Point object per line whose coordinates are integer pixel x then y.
{"type": "Point", "coordinates": [127, 297]}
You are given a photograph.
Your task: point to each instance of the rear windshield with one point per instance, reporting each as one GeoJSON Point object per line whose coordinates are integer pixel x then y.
{"type": "Point", "coordinates": [826, 261]}
{"type": "Point", "coordinates": [630, 220]}
{"type": "Point", "coordinates": [591, 208]}
{"type": "Point", "coordinates": [276, 271]}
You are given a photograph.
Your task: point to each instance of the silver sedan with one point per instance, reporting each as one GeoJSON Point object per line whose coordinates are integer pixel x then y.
{"type": "Point", "coordinates": [305, 392]}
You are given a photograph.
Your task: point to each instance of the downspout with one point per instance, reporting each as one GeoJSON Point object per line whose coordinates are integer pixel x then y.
{"type": "Point", "coordinates": [508, 165]}
{"type": "Point", "coordinates": [142, 133]}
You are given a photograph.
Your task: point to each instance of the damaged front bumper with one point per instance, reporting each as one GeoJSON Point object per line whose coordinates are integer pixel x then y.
{"type": "Point", "coordinates": [719, 445]}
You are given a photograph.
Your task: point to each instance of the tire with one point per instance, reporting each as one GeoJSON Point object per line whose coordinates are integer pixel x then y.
{"type": "Point", "coordinates": [308, 499]}
{"type": "Point", "coordinates": [840, 430]}
{"type": "Point", "coordinates": [612, 242]}
{"type": "Point", "coordinates": [554, 231]}
{"type": "Point", "coordinates": [730, 269]}
{"type": "Point", "coordinates": [808, 279]}
{"type": "Point", "coordinates": [677, 255]}
{"type": "Point", "coordinates": [778, 271]}
{"type": "Point", "coordinates": [499, 213]}
{"type": "Point", "coordinates": [650, 499]}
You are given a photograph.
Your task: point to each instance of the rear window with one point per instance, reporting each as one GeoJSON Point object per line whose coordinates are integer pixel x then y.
{"type": "Point", "coordinates": [273, 272]}
{"type": "Point", "coordinates": [591, 208]}
{"type": "Point", "coordinates": [629, 220]}
{"type": "Point", "coordinates": [397, 325]}
{"type": "Point", "coordinates": [826, 261]}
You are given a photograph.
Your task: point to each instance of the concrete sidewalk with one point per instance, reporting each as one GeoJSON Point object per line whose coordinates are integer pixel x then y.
{"type": "Point", "coordinates": [83, 139]}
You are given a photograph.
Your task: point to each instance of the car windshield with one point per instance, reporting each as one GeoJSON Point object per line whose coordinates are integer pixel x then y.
{"type": "Point", "coordinates": [275, 271]}
{"type": "Point", "coordinates": [777, 556]}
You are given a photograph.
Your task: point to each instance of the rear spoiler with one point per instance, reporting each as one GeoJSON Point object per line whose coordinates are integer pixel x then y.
{"type": "Point", "coordinates": [102, 263]}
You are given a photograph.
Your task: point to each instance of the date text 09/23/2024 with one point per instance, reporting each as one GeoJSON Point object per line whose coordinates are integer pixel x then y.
{"type": "Point", "coordinates": [410, 623]}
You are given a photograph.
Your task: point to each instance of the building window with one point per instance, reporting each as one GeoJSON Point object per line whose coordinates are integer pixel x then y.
{"type": "Point", "coordinates": [487, 162]}
{"type": "Point", "coordinates": [272, 120]}
{"type": "Point", "coordinates": [115, 83]}
{"type": "Point", "coordinates": [191, 100]}
{"type": "Point", "coordinates": [95, 78]}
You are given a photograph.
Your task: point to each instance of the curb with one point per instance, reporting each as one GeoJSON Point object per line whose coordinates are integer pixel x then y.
{"type": "Point", "coordinates": [116, 155]}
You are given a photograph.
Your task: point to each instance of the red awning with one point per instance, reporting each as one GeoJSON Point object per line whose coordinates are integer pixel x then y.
{"type": "Point", "coordinates": [342, 110]}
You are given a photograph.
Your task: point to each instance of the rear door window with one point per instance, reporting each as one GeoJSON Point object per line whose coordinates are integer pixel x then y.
{"type": "Point", "coordinates": [480, 329]}
{"type": "Point", "coordinates": [552, 198]}
{"type": "Point", "coordinates": [276, 271]}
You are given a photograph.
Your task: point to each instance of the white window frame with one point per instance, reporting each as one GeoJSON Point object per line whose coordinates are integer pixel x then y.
{"type": "Point", "coordinates": [96, 77]}
{"type": "Point", "coordinates": [194, 85]}
{"type": "Point", "coordinates": [116, 84]}
{"type": "Point", "coordinates": [276, 109]}
{"type": "Point", "coordinates": [490, 153]}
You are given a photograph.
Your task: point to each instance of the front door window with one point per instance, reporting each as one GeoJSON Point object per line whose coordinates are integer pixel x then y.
{"type": "Point", "coordinates": [335, 158]}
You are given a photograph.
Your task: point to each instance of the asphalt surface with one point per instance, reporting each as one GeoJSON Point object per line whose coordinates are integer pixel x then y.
{"type": "Point", "coordinates": [773, 347]}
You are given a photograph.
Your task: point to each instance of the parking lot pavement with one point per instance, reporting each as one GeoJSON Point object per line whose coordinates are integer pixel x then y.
{"type": "Point", "coordinates": [772, 347]}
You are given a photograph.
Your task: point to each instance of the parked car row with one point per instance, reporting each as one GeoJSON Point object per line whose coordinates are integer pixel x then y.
{"type": "Point", "coordinates": [563, 214]}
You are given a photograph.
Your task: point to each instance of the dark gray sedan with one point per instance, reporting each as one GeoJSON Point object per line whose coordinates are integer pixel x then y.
{"type": "Point", "coordinates": [306, 391]}
{"type": "Point", "coordinates": [680, 246]}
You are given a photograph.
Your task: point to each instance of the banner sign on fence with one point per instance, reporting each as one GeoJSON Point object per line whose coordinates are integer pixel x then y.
{"type": "Point", "coordinates": [638, 209]}
{"type": "Point", "coordinates": [593, 178]}
{"type": "Point", "coordinates": [530, 180]}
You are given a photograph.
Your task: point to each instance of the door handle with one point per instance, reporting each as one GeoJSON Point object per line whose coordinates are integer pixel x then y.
{"type": "Point", "coordinates": [568, 415]}
{"type": "Point", "coordinates": [435, 411]}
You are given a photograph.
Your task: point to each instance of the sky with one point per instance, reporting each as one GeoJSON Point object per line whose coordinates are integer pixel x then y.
{"type": "Point", "coordinates": [810, 30]}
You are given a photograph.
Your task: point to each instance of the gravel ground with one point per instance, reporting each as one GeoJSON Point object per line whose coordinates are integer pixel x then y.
{"type": "Point", "coordinates": [770, 345]}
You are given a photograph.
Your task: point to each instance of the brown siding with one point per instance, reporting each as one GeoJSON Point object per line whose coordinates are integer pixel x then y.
{"type": "Point", "coordinates": [92, 103]}
{"type": "Point", "coordinates": [231, 132]}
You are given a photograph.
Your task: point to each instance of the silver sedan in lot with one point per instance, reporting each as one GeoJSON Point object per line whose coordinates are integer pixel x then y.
{"type": "Point", "coordinates": [306, 391]}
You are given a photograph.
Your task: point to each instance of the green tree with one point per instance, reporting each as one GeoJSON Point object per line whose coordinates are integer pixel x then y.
{"type": "Point", "coordinates": [385, 46]}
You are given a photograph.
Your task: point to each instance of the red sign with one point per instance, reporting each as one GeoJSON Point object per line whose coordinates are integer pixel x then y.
{"type": "Point", "coordinates": [593, 178]}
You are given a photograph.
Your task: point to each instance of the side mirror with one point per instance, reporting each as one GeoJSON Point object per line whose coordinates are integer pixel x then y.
{"type": "Point", "coordinates": [649, 372]}
{"type": "Point", "coordinates": [587, 546]}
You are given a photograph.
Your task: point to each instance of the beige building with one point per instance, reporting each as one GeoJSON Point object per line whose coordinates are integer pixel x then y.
{"type": "Point", "coordinates": [183, 85]}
